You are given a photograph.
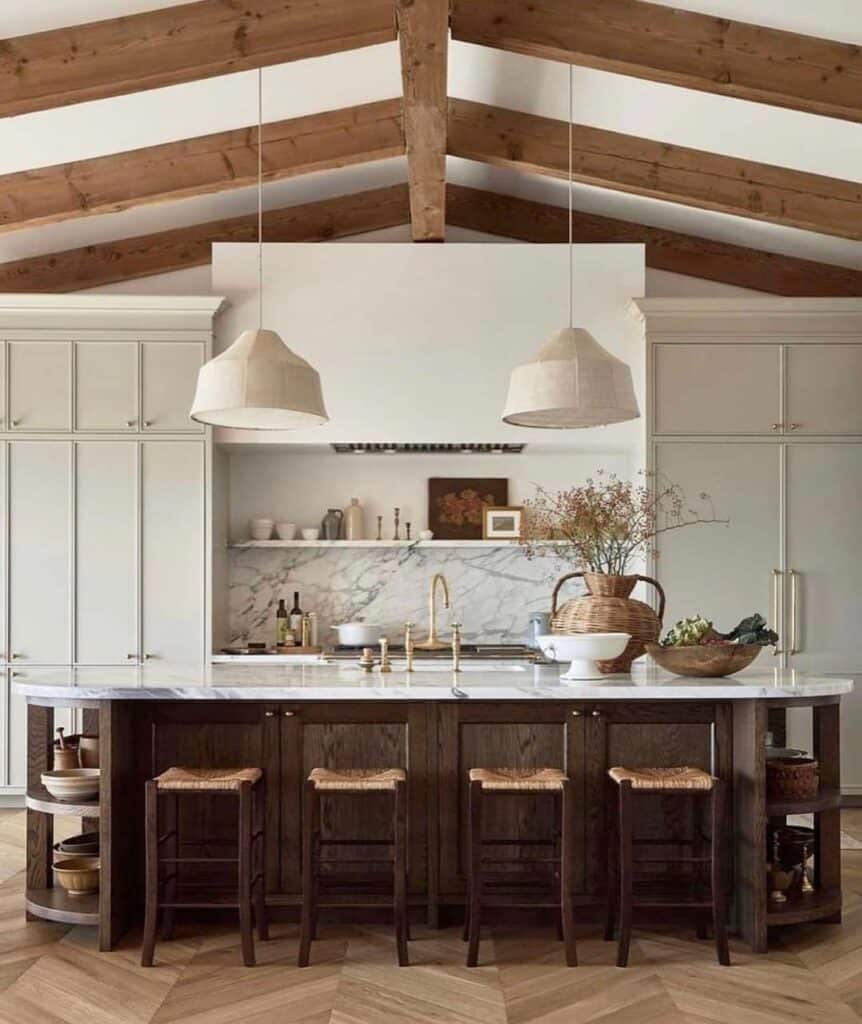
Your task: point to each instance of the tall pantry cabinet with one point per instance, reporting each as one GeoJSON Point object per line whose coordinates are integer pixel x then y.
{"type": "Point", "coordinates": [104, 510]}
{"type": "Point", "coordinates": [756, 402]}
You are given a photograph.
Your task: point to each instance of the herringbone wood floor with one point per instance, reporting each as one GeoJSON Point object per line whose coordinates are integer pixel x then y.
{"type": "Point", "coordinates": [51, 974]}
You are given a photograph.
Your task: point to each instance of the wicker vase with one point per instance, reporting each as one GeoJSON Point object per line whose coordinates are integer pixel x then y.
{"type": "Point", "coordinates": [607, 608]}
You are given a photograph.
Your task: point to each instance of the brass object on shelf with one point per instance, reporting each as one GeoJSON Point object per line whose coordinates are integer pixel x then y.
{"type": "Point", "coordinates": [380, 527]}
{"type": "Point", "coordinates": [366, 662]}
{"type": "Point", "coordinates": [807, 887]}
{"type": "Point", "coordinates": [397, 535]}
{"type": "Point", "coordinates": [434, 643]}
{"type": "Point", "coordinates": [408, 645]}
{"type": "Point", "coordinates": [456, 646]}
{"type": "Point", "coordinates": [407, 528]}
{"type": "Point", "coordinates": [385, 665]}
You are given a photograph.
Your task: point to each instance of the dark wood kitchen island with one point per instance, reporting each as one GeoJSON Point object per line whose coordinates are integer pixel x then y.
{"type": "Point", "coordinates": [288, 720]}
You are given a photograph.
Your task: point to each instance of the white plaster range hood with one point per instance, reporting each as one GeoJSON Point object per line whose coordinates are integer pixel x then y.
{"type": "Point", "coordinates": [416, 343]}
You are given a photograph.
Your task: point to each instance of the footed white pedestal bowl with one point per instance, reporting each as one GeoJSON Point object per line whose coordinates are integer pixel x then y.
{"type": "Point", "coordinates": [583, 650]}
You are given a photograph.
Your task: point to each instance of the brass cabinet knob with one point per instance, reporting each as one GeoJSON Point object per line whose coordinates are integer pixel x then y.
{"type": "Point", "coordinates": [777, 426]}
{"type": "Point", "coordinates": [15, 423]}
{"type": "Point", "coordinates": [793, 426]}
{"type": "Point", "coordinates": [131, 657]}
{"type": "Point", "coordinates": [576, 713]}
{"type": "Point", "coordinates": [269, 714]}
{"type": "Point", "coordinates": [289, 714]}
{"type": "Point", "coordinates": [131, 423]}
{"type": "Point", "coordinates": [596, 714]}
{"type": "Point", "coordinates": [15, 656]}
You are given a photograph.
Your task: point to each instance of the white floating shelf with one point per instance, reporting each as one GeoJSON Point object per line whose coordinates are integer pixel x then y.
{"type": "Point", "coordinates": [371, 543]}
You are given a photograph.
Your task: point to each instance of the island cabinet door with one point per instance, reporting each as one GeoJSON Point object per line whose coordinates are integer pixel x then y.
{"type": "Point", "coordinates": [373, 734]}
{"type": "Point", "coordinates": [503, 735]}
{"type": "Point", "coordinates": [215, 734]}
{"type": "Point", "coordinates": [656, 735]}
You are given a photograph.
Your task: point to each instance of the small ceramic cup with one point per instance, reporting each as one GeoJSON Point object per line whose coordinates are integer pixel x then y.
{"type": "Point", "coordinates": [285, 531]}
{"type": "Point", "coordinates": [310, 533]}
{"type": "Point", "coordinates": [426, 535]}
{"type": "Point", "coordinates": [260, 528]}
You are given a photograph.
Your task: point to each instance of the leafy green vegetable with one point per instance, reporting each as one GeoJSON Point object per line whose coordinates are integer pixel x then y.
{"type": "Point", "coordinates": [752, 630]}
{"type": "Point", "coordinates": [688, 632]}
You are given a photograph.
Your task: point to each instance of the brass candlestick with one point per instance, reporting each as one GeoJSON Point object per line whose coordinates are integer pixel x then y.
{"type": "Point", "coordinates": [407, 528]}
{"type": "Point", "coordinates": [380, 527]}
{"type": "Point", "coordinates": [397, 521]}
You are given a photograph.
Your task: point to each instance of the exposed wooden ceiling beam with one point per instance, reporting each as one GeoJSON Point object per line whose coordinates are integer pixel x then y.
{"type": "Point", "coordinates": [109, 262]}
{"type": "Point", "coordinates": [665, 44]}
{"type": "Point", "coordinates": [423, 33]}
{"type": "Point", "coordinates": [665, 250]}
{"type": "Point", "coordinates": [626, 163]}
{"type": "Point", "coordinates": [211, 163]}
{"type": "Point", "coordinates": [179, 44]}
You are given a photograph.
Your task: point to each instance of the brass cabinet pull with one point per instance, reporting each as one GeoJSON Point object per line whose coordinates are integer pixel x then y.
{"type": "Point", "coordinates": [794, 612]}
{"type": "Point", "coordinates": [776, 574]}
{"type": "Point", "coordinates": [269, 714]}
{"type": "Point", "coordinates": [289, 714]}
{"type": "Point", "coordinates": [576, 713]}
{"type": "Point", "coordinates": [596, 714]}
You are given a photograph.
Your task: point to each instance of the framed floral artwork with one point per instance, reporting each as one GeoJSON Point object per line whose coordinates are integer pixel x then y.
{"type": "Point", "coordinates": [456, 505]}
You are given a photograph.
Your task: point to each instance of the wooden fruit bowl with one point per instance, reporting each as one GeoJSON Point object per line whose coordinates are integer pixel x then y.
{"type": "Point", "coordinates": [705, 660]}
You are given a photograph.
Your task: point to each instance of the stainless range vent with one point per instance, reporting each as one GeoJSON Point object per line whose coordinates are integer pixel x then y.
{"type": "Point", "coordinates": [396, 448]}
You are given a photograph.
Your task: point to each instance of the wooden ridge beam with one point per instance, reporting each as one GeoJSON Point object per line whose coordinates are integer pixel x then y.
{"type": "Point", "coordinates": [627, 163]}
{"type": "Point", "coordinates": [210, 163]}
{"type": "Point", "coordinates": [179, 248]}
{"type": "Point", "coordinates": [179, 44]}
{"type": "Point", "coordinates": [529, 221]}
{"type": "Point", "coordinates": [666, 44]}
{"type": "Point", "coordinates": [423, 33]}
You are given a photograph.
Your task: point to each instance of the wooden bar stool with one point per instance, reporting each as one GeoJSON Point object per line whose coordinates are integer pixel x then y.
{"type": "Point", "coordinates": [353, 781]}
{"type": "Point", "coordinates": [489, 782]}
{"type": "Point", "coordinates": [246, 786]}
{"type": "Point", "coordinates": [623, 894]}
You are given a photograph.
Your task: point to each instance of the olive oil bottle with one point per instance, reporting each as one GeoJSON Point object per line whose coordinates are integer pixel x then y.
{"type": "Point", "coordinates": [282, 624]}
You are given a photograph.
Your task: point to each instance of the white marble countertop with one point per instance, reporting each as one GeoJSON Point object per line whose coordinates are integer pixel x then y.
{"type": "Point", "coordinates": [435, 681]}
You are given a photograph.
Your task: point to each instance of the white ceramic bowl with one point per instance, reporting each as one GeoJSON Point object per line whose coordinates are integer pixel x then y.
{"type": "Point", "coordinates": [426, 535]}
{"type": "Point", "coordinates": [72, 784]}
{"type": "Point", "coordinates": [260, 528]}
{"type": "Point", "coordinates": [310, 533]}
{"type": "Point", "coordinates": [358, 634]}
{"type": "Point", "coordinates": [583, 650]}
{"type": "Point", "coordinates": [285, 531]}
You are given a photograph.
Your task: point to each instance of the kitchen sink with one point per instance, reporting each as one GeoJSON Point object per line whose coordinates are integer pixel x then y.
{"type": "Point", "coordinates": [466, 666]}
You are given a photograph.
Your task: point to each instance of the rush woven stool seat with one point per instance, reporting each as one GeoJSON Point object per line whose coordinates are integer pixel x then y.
{"type": "Point", "coordinates": [683, 884]}
{"type": "Point", "coordinates": [487, 783]}
{"type": "Point", "coordinates": [357, 784]}
{"type": "Point", "coordinates": [162, 796]}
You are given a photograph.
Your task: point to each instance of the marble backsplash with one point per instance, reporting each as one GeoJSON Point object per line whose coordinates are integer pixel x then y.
{"type": "Point", "coordinates": [494, 590]}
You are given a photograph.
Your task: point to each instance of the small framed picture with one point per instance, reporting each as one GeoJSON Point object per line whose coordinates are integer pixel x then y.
{"type": "Point", "coordinates": [502, 522]}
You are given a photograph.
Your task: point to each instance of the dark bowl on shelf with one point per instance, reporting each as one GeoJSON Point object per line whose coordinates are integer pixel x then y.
{"type": "Point", "coordinates": [704, 660]}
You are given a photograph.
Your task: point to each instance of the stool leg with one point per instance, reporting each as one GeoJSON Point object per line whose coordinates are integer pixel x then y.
{"type": "Point", "coordinates": [699, 850]}
{"type": "Point", "coordinates": [612, 882]}
{"type": "Point", "coordinates": [626, 870]}
{"type": "Point", "coordinates": [244, 887]}
{"type": "Point", "coordinates": [172, 849]}
{"type": "Point", "coordinates": [475, 873]}
{"type": "Point", "coordinates": [567, 818]}
{"type": "Point", "coordinates": [151, 898]}
{"type": "Point", "coordinates": [719, 897]}
{"type": "Point", "coordinates": [400, 871]}
{"type": "Point", "coordinates": [308, 908]}
{"type": "Point", "coordinates": [259, 861]}
{"type": "Point", "coordinates": [557, 799]}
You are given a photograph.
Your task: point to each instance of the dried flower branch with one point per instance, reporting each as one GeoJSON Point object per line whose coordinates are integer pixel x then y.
{"type": "Point", "coordinates": [604, 524]}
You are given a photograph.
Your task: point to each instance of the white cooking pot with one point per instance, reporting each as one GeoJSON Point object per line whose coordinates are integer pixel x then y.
{"type": "Point", "coordinates": [358, 634]}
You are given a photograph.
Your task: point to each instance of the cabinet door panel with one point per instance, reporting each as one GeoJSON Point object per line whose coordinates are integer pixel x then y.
{"type": "Point", "coordinates": [106, 385]}
{"type": "Point", "coordinates": [40, 481]}
{"type": "Point", "coordinates": [40, 385]}
{"type": "Point", "coordinates": [823, 389]}
{"type": "Point", "coordinates": [824, 498]}
{"type": "Point", "coordinates": [723, 572]}
{"type": "Point", "coordinates": [172, 537]}
{"type": "Point", "coordinates": [3, 424]}
{"type": "Point", "coordinates": [4, 568]}
{"type": "Point", "coordinates": [107, 551]}
{"type": "Point", "coordinates": [170, 373]}
{"type": "Point", "coordinates": [717, 389]}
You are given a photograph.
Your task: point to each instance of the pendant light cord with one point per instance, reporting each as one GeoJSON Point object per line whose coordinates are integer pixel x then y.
{"type": "Point", "coordinates": [260, 198]}
{"type": "Point", "coordinates": [571, 251]}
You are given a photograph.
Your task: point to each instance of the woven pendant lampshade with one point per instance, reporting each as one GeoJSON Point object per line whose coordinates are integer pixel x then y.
{"type": "Point", "coordinates": [573, 382]}
{"type": "Point", "coordinates": [259, 384]}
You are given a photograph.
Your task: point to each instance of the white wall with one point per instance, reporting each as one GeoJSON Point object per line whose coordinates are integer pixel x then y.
{"type": "Point", "coordinates": [415, 343]}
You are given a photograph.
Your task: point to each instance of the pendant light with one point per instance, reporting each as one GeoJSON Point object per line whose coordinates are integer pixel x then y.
{"type": "Point", "coordinates": [573, 381]}
{"type": "Point", "coordinates": [259, 383]}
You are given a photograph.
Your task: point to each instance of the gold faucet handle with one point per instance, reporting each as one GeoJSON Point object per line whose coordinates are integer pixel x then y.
{"type": "Point", "coordinates": [408, 633]}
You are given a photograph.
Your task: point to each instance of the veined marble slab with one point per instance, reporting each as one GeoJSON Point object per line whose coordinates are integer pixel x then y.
{"type": "Point", "coordinates": [339, 681]}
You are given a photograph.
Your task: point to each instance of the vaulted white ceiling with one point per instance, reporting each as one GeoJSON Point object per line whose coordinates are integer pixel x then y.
{"type": "Point", "coordinates": [714, 123]}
